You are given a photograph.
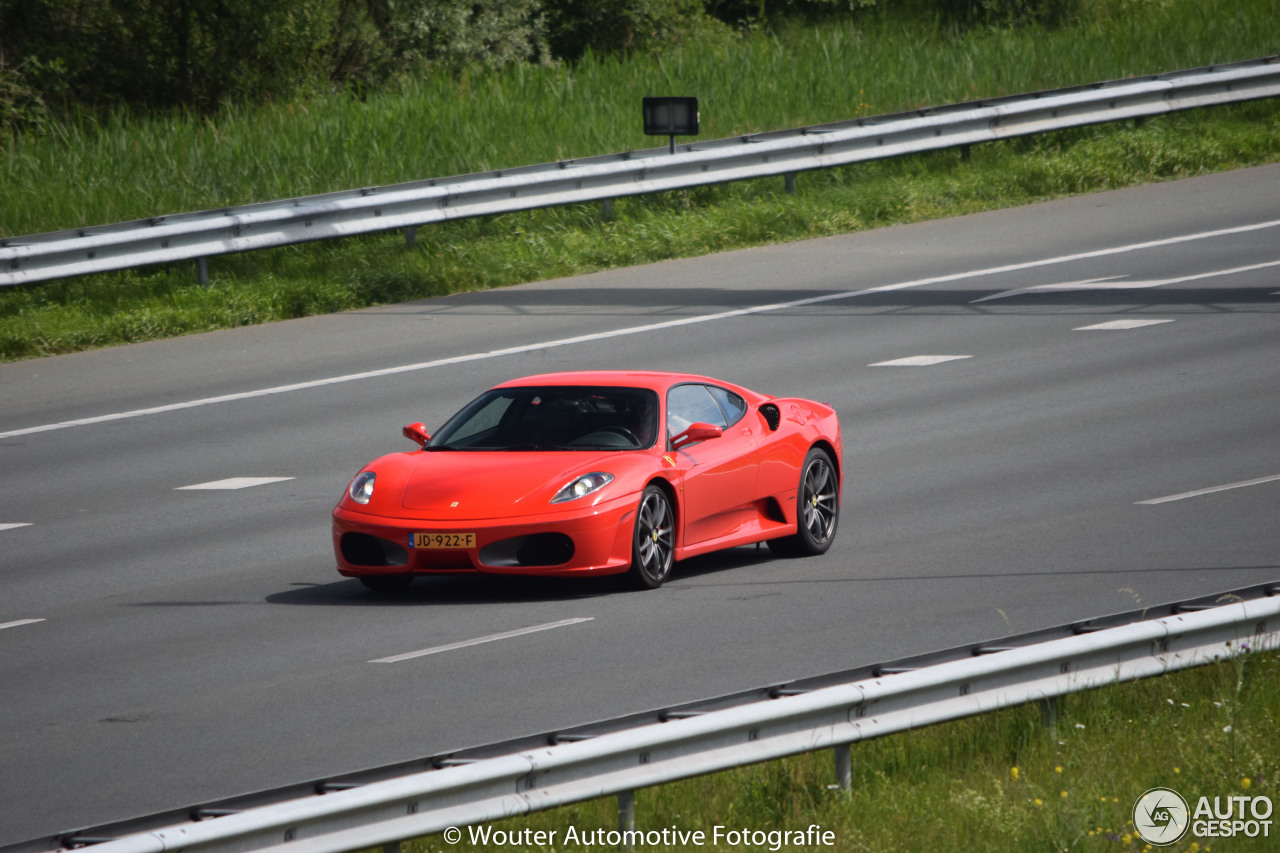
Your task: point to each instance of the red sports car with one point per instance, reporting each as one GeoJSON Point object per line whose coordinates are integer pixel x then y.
{"type": "Point", "coordinates": [595, 473]}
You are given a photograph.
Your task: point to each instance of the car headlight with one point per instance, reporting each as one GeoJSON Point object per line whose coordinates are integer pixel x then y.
{"type": "Point", "coordinates": [583, 486]}
{"type": "Point", "coordinates": [361, 488]}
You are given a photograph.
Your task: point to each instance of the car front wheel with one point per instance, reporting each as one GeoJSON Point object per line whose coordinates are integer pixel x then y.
{"type": "Point", "coordinates": [653, 544]}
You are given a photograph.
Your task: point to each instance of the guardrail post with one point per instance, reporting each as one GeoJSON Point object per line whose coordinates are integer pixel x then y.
{"type": "Point", "coordinates": [393, 847]}
{"type": "Point", "coordinates": [202, 271]}
{"type": "Point", "coordinates": [626, 814]}
{"type": "Point", "coordinates": [791, 183]}
{"type": "Point", "coordinates": [411, 236]}
{"type": "Point", "coordinates": [844, 767]}
{"type": "Point", "coordinates": [1049, 715]}
{"type": "Point", "coordinates": [606, 210]}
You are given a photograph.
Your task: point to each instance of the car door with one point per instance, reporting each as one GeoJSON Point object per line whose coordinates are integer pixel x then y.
{"type": "Point", "coordinates": [718, 483]}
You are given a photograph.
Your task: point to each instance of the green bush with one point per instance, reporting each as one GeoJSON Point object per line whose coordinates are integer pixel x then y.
{"type": "Point", "coordinates": [605, 26]}
{"type": "Point", "coordinates": [1009, 12]}
{"type": "Point", "coordinates": [21, 99]}
{"type": "Point", "coordinates": [150, 55]}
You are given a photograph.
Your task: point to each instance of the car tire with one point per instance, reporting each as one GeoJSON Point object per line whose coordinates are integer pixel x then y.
{"type": "Point", "coordinates": [817, 509]}
{"type": "Point", "coordinates": [653, 541]}
{"type": "Point", "coordinates": [387, 583]}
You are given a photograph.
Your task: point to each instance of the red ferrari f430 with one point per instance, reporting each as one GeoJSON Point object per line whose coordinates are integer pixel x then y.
{"type": "Point", "coordinates": [595, 473]}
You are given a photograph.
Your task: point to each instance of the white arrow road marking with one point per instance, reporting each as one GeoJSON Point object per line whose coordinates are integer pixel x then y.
{"type": "Point", "coordinates": [651, 327]}
{"type": "Point", "coordinates": [1211, 490]}
{"type": "Point", "coordinates": [4, 625]}
{"type": "Point", "coordinates": [1111, 283]}
{"type": "Point", "coordinates": [13, 525]}
{"type": "Point", "coordinates": [505, 635]}
{"type": "Point", "coordinates": [1120, 324]}
{"type": "Point", "coordinates": [234, 483]}
{"type": "Point", "coordinates": [918, 361]}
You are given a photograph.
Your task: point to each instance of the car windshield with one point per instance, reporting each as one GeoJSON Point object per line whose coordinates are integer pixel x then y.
{"type": "Point", "coordinates": [553, 418]}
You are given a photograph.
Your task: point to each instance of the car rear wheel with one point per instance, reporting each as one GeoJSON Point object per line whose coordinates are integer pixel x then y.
{"type": "Point", "coordinates": [653, 544]}
{"type": "Point", "coordinates": [387, 583]}
{"type": "Point", "coordinates": [817, 511]}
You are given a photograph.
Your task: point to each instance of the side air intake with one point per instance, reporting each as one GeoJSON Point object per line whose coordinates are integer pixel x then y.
{"type": "Point", "coordinates": [772, 416]}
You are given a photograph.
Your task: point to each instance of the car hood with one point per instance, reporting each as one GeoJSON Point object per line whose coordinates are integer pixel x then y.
{"type": "Point", "coordinates": [477, 484]}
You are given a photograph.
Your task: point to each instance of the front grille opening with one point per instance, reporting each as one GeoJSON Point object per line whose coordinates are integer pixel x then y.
{"type": "Point", "coordinates": [362, 549]}
{"type": "Point", "coordinates": [538, 549]}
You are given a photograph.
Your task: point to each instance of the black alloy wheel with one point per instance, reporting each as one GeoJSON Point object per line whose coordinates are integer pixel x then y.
{"type": "Point", "coordinates": [653, 544]}
{"type": "Point", "coordinates": [817, 510]}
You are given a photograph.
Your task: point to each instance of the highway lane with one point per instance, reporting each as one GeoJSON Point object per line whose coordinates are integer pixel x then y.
{"type": "Point", "coordinates": [197, 644]}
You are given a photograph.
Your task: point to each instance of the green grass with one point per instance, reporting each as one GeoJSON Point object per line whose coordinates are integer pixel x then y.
{"type": "Point", "coordinates": [1003, 781]}
{"type": "Point", "coordinates": [109, 170]}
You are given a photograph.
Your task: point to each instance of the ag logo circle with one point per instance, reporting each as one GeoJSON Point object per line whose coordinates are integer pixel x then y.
{"type": "Point", "coordinates": [1161, 816]}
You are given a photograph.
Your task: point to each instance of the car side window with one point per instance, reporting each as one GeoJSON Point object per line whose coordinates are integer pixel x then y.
{"type": "Point", "coordinates": [691, 404]}
{"type": "Point", "coordinates": [733, 406]}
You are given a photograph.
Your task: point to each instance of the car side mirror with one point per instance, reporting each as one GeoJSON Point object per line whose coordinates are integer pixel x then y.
{"type": "Point", "coordinates": [695, 432]}
{"type": "Point", "coordinates": [417, 433]}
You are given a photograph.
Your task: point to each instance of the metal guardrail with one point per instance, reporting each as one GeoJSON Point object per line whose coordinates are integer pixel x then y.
{"type": "Point", "coordinates": [340, 816]}
{"type": "Point", "coordinates": [198, 236]}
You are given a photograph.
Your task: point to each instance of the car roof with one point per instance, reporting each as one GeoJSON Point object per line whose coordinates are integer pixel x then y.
{"type": "Point", "coordinates": [656, 380]}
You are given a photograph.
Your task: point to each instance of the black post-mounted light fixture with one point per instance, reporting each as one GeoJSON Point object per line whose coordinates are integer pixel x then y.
{"type": "Point", "coordinates": [671, 117]}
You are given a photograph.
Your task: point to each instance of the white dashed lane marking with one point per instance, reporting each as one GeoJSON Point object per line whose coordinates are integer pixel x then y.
{"type": "Point", "coordinates": [1211, 490]}
{"type": "Point", "coordinates": [506, 635]}
{"type": "Point", "coordinates": [11, 526]}
{"type": "Point", "coordinates": [18, 623]}
{"type": "Point", "coordinates": [1120, 324]}
{"type": "Point", "coordinates": [234, 483]}
{"type": "Point", "coordinates": [918, 361]}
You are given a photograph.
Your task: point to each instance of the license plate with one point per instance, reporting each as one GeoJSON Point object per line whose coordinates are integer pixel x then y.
{"type": "Point", "coordinates": [442, 540]}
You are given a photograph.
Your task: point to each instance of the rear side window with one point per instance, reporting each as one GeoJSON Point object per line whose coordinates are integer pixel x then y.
{"type": "Point", "coordinates": [733, 406]}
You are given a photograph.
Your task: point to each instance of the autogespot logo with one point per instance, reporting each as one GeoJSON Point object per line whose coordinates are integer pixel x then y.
{"type": "Point", "coordinates": [1161, 816]}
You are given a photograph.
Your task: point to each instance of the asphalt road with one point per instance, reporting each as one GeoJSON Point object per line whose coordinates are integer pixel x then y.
{"type": "Point", "coordinates": [196, 644]}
